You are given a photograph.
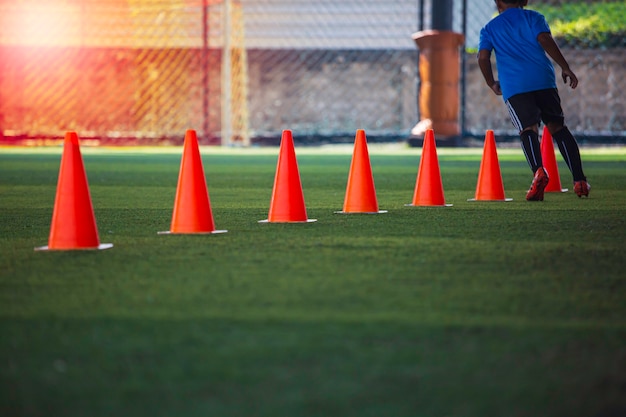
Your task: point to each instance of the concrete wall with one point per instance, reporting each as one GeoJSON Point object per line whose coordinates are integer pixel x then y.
{"type": "Point", "coordinates": [316, 93]}
{"type": "Point", "coordinates": [326, 93]}
{"type": "Point", "coordinates": [335, 92]}
{"type": "Point", "coordinates": [596, 107]}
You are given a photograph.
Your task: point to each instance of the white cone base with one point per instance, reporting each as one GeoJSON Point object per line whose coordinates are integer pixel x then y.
{"type": "Point", "coordinates": [102, 246]}
{"type": "Point", "coordinates": [361, 212]}
{"type": "Point", "coordinates": [167, 232]}
{"type": "Point", "coordinates": [305, 221]}
{"type": "Point", "coordinates": [419, 205]}
{"type": "Point", "coordinates": [563, 190]}
{"type": "Point", "coordinates": [490, 201]}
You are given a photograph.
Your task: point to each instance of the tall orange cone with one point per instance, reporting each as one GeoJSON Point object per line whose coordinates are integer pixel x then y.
{"type": "Point", "coordinates": [490, 186]}
{"type": "Point", "coordinates": [73, 221]}
{"type": "Point", "coordinates": [287, 204]}
{"type": "Point", "coordinates": [360, 191]}
{"type": "Point", "coordinates": [549, 163]}
{"type": "Point", "coordinates": [428, 186]}
{"type": "Point", "coordinates": [192, 206]}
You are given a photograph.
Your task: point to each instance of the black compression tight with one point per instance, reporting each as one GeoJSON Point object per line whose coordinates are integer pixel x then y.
{"type": "Point", "coordinates": [531, 148]}
{"type": "Point", "coordinates": [570, 152]}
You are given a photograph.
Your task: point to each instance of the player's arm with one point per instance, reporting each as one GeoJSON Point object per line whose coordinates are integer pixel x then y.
{"type": "Point", "coordinates": [548, 44]}
{"type": "Point", "coordinates": [484, 63]}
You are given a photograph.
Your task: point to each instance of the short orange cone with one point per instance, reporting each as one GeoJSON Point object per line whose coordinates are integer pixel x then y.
{"type": "Point", "coordinates": [287, 204]}
{"type": "Point", "coordinates": [73, 221]}
{"type": "Point", "coordinates": [192, 206]}
{"type": "Point", "coordinates": [360, 191]}
{"type": "Point", "coordinates": [549, 163]}
{"type": "Point", "coordinates": [428, 186]}
{"type": "Point", "coordinates": [490, 186]}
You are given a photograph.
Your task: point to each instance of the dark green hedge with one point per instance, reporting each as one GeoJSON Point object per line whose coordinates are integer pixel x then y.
{"type": "Point", "coordinates": [587, 25]}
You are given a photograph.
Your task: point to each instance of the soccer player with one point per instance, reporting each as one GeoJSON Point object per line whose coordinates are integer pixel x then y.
{"type": "Point", "coordinates": [521, 39]}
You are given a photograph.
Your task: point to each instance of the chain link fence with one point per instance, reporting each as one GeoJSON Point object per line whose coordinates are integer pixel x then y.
{"type": "Point", "coordinates": [595, 110]}
{"type": "Point", "coordinates": [241, 71]}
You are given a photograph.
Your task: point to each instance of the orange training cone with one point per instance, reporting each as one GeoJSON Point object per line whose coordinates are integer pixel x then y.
{"type": "Point", "coordinates": [428, 186]}
{"type": "Point", "coordinates": [73, 222]}
{"type": "Point", "coordinates": [549, 163]}
{"type": "Point", "coordinates": [192, 207]}
{"type": "Point", "coordinates": [360, 191]}
{"type": "Point", "coordinates": [490, 186]}
{"type": "Point", "coordinates": [287, 204]}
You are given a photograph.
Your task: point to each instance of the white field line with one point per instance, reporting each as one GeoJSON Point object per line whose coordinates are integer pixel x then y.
{"type": "Point", "coordinates": [341, 149]}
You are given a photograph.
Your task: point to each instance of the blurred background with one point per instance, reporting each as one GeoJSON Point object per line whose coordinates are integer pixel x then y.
{"type": "Point", "coordinates": [241, 71]}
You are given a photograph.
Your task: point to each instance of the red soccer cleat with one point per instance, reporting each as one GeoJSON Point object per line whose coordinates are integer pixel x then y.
{"type": "Point", "coordinates": [581, 188]}
{"type": "Point", "coordinates": [538, 185]}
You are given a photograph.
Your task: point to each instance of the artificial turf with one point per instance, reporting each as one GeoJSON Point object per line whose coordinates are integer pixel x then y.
{"type": "Point", "coordinates": [480, 309]}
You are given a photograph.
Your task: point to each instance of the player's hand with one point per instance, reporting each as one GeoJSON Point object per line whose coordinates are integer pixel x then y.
{"type": "Point", "coordinates": [496, 88]}
{"type": "Point", "coordinates": [573, 80]}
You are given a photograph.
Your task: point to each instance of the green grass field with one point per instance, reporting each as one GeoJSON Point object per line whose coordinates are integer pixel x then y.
{"type": "Point", "coordinates": [480, 309]}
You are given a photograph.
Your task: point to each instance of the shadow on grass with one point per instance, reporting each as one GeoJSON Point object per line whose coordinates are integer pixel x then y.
{"type": "Point", "coordinates": [256, 367]}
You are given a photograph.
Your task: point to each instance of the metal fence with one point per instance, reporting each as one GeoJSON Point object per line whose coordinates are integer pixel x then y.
{"type": "Point", "coordinates": [596, 109]}
{"type": "Point", "coordinates": [241, 71]}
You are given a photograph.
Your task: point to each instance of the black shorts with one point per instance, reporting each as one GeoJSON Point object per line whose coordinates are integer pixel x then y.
{"type": "Point", "coordinates": [527, 109]}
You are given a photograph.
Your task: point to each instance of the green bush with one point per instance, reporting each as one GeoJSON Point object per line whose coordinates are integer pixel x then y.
{"type": "Point", "coordinates": [587, 25]}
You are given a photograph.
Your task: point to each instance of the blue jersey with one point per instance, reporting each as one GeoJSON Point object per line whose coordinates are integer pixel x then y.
{"type": "Point", "coordinates": [522, 63]}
